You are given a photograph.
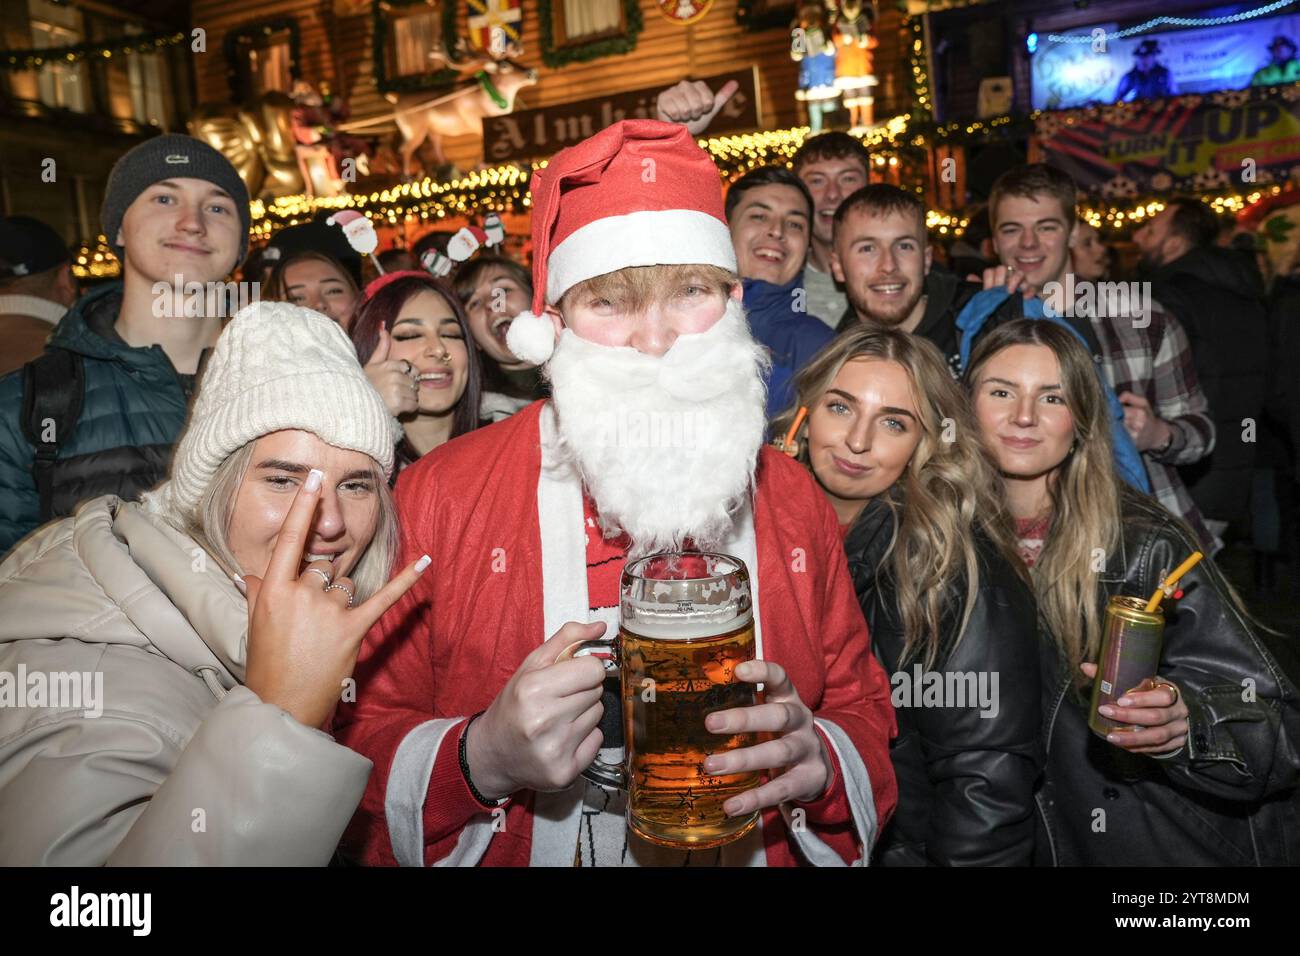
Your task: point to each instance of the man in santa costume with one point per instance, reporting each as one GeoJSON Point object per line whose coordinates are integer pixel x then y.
{"type": "Point", "coordinates": [652, 440]}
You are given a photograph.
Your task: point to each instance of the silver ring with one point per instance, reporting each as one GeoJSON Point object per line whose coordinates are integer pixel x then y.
{"type": "Point", "coordinates": [345, 589]}
{"type": "Point", "coordinates": [410, 369]}
{"type": "Point", "coordinates": [324, 577]}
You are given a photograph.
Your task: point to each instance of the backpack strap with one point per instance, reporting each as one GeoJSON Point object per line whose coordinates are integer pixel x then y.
{"type": "Point", "coordinates": [53, 388]}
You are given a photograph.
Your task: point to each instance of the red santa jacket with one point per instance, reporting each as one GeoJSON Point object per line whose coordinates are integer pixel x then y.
{"type": "Point", "coordinates": [447, 648]}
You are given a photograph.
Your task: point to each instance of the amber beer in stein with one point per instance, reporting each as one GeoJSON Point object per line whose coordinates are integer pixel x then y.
{"type": "Point", "coordinates": [1130, 653]}
{"type": "Point", "coordinates": [686, 619]}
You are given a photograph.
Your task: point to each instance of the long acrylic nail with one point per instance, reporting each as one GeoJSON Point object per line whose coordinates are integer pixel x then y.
{"type": "Point", "coordinates": [314, 479]}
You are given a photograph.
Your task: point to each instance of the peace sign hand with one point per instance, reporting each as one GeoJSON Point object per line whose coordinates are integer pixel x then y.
{"type": "Point", "coordinates": [303, 639]}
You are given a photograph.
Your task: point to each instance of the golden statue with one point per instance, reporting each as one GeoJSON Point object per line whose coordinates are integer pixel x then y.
{"type": "Point", "coordinates": [258, 139]}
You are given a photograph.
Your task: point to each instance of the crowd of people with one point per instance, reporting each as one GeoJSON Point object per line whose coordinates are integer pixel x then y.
{"type": "Point", "coordinates": [325, 556]}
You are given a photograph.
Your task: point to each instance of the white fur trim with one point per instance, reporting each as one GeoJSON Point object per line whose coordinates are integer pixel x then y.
{"type": "Point", "coordinates": [651, 237]}
{"type": "Point", "coordinates": [862, 804]}
{"type": "Point", "coordinates": [408, 787]}
{"type": "Point", "coordinates": [557, 816]}
{"type": "Point", "coordinates": [531, 337]}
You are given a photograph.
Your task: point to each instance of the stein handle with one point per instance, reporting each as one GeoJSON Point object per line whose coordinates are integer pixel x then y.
{"type": "Point", "coordinates": [611, 775]}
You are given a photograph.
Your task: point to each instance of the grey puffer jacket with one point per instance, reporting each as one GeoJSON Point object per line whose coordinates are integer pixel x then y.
{"type": "Point", "coordinates": [184, 766]}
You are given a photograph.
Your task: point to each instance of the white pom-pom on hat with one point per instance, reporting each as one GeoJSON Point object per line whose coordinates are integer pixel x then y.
{"type": "Point", "coordinates": [531, 337]}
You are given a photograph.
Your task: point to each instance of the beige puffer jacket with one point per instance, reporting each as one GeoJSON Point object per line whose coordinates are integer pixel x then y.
{"type": "Point", "coordinates": [185, 766]}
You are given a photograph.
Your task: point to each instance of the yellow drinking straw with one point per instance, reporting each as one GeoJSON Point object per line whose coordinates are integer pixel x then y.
{"type": "Point", "coordinates": [1168, 584]}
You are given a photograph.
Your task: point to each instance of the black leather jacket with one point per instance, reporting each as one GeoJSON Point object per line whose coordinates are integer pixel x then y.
{"type": "Point", "coordinates": [965, 774]}
{"type": "Point", "coordinates": [1229, 797]}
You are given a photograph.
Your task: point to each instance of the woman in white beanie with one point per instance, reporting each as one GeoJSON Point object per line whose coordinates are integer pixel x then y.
{"type": "Point", "coordinates": [165, 665]}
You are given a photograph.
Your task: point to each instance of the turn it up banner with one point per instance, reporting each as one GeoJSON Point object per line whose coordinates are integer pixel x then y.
{"type": "Point", "coordinates": [1183, 143]}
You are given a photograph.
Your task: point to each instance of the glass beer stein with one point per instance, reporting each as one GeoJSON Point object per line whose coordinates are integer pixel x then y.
{"type": "Point", "coordinates": [686, 620]}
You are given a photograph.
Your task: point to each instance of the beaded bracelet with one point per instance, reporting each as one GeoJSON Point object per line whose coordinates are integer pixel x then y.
{"type": "Point", "coordinates": [464, 766]}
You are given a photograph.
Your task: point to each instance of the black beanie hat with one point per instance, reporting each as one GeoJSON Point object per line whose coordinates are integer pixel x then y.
{"type": "Point", "coordinates": [314, 236]}
{"type": "Point", "coordinates": [171, 156]}
{"type": "Point", "coordinates": [28, 246]}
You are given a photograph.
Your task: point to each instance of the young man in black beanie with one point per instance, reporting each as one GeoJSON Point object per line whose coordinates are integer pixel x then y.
{"type": "Point", "coordinates": [99, 410]}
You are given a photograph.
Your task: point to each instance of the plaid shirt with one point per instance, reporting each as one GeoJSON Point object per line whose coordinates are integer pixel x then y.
{"type": "Point", "coordinates": [1155, 362]}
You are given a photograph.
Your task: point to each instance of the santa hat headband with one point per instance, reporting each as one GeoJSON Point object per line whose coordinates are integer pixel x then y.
{"type": "Point", "coordinates": [638, 193]}
{"type": "Point", "coordinates": [379, 283]}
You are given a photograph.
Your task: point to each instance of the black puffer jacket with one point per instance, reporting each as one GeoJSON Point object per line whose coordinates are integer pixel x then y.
{"type": "Point", "coordinates": [1229, 797]}
{"type": "Point", "coordinates": [965, 773]}
{"type": "Point", "coordinates": [1217, 296]}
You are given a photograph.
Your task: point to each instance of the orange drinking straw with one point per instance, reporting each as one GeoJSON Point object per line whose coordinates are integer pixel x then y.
{"type": "Point", "coordinates": [794, 429]}
{"type": "Point", "coordinates": [1168, 584]}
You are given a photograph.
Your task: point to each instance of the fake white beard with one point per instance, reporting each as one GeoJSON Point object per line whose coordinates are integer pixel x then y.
{"type": "Point", "coordinates": [666, 446]}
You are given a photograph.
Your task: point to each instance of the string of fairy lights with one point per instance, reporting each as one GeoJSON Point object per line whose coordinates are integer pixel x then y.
{"type": "Point", "coordinates": [1170, 21]}
{"type": "Point", "coordinates": [504, 188]}
{"type": "Point", "coordinates": [105, 49]}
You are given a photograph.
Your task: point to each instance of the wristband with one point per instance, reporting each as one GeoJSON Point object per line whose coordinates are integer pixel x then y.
{"type": "Point", "coordinates": [461, 749]}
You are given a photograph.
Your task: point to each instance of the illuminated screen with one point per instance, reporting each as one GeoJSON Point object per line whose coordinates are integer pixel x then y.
{"type": "Point", "coordinates": [1192, 60]}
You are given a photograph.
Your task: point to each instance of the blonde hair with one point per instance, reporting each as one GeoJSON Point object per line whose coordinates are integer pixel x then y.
{"type": "Point", "coordinates": [636, 287]}
{"type": "Point", "coordinates": [1084, 490]}
{"type": "Point", "coordinates": [208, 524]}
{"type": "Point", "coordinates": [948, 490]}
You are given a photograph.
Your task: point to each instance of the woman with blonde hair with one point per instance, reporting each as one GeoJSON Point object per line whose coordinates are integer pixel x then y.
{"type": "Point", "coordinates": [889, 438]}
{"type": "Point", "coordinates": [209, 629]}
{"type": "Point", "coordinates": [1206, 770]}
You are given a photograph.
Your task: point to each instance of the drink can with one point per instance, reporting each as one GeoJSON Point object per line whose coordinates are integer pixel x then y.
{"type": "Point", "coordinates": [1130, 653]}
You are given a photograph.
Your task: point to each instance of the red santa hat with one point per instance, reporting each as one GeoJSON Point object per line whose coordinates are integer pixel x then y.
{"type": "Point", "coordinates": [465, 242]}
{"type": "Point", "coordinates": [344, 218]}
{"type": "Point", "coordinates": [638, 193]}
{"type": "Point", "coordinates": [359, 230]}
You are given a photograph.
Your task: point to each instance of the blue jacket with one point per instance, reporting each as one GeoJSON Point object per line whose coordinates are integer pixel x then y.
{"type": "Point", "coordinates": [793, 337]}
{"type": "Point", "coordinates": [133, 409]}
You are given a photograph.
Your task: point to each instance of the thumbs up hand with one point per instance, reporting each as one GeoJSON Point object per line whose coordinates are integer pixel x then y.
{"type": "Point", "coordinates": [396, 380]}
{"type": "Point", "coordinates": [693, 104]}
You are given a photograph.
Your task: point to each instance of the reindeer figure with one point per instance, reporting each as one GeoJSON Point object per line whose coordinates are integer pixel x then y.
{"type": "Point", "coordinates": [491, 91]}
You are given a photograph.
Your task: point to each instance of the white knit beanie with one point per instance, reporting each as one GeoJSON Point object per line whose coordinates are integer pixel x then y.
{"type": "Point", "coordinates": [277, 366]}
